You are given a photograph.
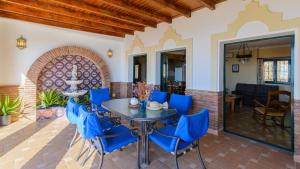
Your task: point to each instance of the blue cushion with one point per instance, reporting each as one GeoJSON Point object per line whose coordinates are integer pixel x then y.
{"type": "Point", "coordinates": [115, 143]}
{"type": "Point", "coordinates": [158, 96]}
{"type": "Point", "coordinates": [72, 111]}
{"type": "Point", "coordinates": [181, 103]}
{"type": "Point", "coordinates": [189, 129]}
{"type": "Point", "coordinates": [98, 96]}
{"type": "Point", "coordinates": [90, 125]}
{"type": "Point", "coordinates": [167, 143]}
{"type": "Point", "coordinates": [192, 127]}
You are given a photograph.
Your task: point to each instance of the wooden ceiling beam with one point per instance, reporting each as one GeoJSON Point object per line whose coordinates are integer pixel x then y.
{"type": "Point", "coordinates": [43, 5]}
{"type": "Point", "coordinates": [170, 5]}
{"type": "Point", "coordinates": [56, 24]}
{"type": "Point", "coordinates": [211, 4]}
{"type": "Point", "coordinates": [136, 11]}
{"type": "Point", "coordinates": [103, 12]}
{"type": "Point", "coordinates": [19, 9]}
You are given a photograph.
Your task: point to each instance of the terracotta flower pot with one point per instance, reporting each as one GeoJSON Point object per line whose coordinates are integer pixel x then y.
{"type": "Point", "coordinates": [5, 120]}
{"type": "Point", "coordinates": [14, 117]}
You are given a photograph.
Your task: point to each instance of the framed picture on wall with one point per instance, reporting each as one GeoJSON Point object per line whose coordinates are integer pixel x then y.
{"type": "Point", "coordinates": [235, 68]}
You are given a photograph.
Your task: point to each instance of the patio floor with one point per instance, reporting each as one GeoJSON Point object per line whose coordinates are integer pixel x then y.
{"type": "Point", "coordinates": [44, 145]}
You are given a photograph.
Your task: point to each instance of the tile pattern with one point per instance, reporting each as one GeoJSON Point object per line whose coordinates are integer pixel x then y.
{"type": "Point", "coordinates": [121, 89]}
{"type": "Point", "coordinates": [47, 149]}
{"type": "Point", "coordinates": [54, 74]}
{"type": "Point", "coordinates": [242, 122]}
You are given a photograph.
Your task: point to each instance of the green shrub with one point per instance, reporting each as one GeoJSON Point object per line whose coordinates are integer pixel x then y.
{"type": "Point", "coordinates": [51, 98]}
{"type": "Point", "coordinates": [9, 106]}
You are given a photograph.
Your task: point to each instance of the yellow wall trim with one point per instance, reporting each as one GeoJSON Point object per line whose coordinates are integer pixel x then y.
{"type": "Point", "coordinates": [169, 34]}
{"type": "Point", "coordinates": [253, 12]}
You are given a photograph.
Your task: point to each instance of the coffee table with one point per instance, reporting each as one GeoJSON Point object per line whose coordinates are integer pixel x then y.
{"type": "Point", "coordinates": [232, 99]}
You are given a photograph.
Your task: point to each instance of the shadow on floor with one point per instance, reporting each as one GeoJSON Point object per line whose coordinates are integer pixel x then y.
{"type": "Point", "coordinates": [21, 135]}
{"type": "Point", "coordinates": [50, 156]}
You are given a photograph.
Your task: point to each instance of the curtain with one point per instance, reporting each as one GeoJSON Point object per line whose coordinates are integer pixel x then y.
{"type": "Point", "coordinates": [260, 71]}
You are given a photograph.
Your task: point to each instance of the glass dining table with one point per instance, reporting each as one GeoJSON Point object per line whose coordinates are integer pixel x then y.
{"type": "Point", "coordinates": [143, 116]}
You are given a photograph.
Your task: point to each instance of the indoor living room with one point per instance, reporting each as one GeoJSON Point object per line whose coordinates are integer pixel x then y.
{"type": "Point", "coordinates": [258, 90]}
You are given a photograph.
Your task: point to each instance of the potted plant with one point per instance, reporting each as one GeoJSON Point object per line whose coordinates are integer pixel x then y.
{"type": "Point", "coordinates": [8, 107]}
{"type": "Point", "coordinates": [50, 104]}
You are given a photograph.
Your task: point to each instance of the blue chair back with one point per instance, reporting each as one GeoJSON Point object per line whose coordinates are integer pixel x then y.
{"type": "Point", "coordinates": [181, 103]}
{"type": "Point", "coordinates": [89, 125]}
{"type": "Point", "coordinates": [72, 111]}
{"type": "Point", "coordinates": [97, 96]}
{"type": "Point", "coordinates": [191, 127]}
{"type": "Point", "coordinates": [158, 96]}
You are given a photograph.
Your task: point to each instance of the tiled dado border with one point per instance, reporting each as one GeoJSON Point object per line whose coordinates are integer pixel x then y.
{"type": "Point", "coordinates": [121, 89]}
{"type": "Point", "coordinates": [12, 91]}
{"type": "Point", "coordinates": [30, 87]}
{"type": "Point", "coordinates": [297, 132]}
{"type": "Point", "coordinates": [213, 101]}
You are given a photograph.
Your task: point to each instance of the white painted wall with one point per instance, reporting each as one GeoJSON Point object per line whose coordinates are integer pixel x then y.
{"type": "Point", "coordinates": [248, 71]}
{"type": "Point", "coordinates": [14, 63]}
{"type": "Point", "coordinates": [203, 24]}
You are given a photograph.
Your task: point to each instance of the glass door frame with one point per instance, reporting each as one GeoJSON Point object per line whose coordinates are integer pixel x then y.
{"type": "Point", "coordinates": [291, 85]}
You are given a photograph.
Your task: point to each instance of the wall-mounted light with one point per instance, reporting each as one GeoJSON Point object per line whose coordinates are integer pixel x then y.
{"type": "Point", "coordinates": [21, 43]}
{"type": "Point", "coordinates": [110, 53]}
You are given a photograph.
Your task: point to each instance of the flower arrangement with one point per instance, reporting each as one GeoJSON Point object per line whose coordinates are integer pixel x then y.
{"type": "Point", "coordinates": [142, 90]}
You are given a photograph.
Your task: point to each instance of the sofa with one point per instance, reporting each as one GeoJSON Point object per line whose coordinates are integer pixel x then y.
{"type": "Point", "coordinates": [249, 92]}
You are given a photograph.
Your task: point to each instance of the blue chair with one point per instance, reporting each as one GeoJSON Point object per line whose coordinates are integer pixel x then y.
{"type": "Point", "coordinates": [181, 139]}
{"type": "Point", "coordinates": [97, 97]}
{"type": "Point", "coordinates": [182, 104]}
{"type": "Point", "coordinates": [158, 96]}
{"type": "Point", "coordinates": [72, 113]}
{"type": "Point", "coordinates": [87, 125]}
{"type": "Point", "coordinates": [103, 140]}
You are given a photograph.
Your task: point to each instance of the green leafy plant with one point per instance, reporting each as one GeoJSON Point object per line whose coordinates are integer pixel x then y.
{"type": "Point", "coordinates": [9, 106]}
{"type": "Point", "coordinates": [63, 100]}
{"type": "Point", "coordinates": [84, 99]}
{"type": "Point", "coordinates": [49, 98]}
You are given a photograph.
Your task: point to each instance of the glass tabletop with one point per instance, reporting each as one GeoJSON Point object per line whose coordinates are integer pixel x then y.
{"type": "Point", "coordinates": [121, 107]}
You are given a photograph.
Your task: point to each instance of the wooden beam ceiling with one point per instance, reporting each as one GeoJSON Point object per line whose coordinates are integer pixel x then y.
{"type": "Point", "coordinates": [80, 5]}
{"type": "Point", "coordinates": [170, 5]}
{"type": "Point", "coordinates": [109, 17]}
{"type": "Point", "coordinates": [57, 24]}
{"type": "Point", "coordinates": [19, 9]}
{"type": "Point", "coordinates": [44, 6]}
{"type": "Point", "coordinates": [125, 5]}
{"type": "Point", "coordinates": [211, 4]}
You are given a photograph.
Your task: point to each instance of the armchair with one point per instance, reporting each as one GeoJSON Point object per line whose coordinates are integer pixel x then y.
{"type": "Point", "coordinates": [275, 108]}
{"type": "Point", "coordinates": [104, 141]}
{"type": "Point", "coordinates": [181, 139]}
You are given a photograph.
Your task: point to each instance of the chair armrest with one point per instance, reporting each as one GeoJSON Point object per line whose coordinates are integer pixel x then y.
{"type": "Point", "coordinates": [131, 131]}
{"type": "Point", "coordinates": [163, 134]}
{"type": "Point", "coordinates": [257, 103]}
{"type": "Point", "coordinates": [235, 92]}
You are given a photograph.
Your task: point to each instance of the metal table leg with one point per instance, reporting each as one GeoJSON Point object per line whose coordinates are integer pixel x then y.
{"type": "Point", "coordinates": [144, 155]}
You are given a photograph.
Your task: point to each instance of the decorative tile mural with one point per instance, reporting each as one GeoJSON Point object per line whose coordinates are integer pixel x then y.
{"type": "Point", "coordinates": [59, 69]}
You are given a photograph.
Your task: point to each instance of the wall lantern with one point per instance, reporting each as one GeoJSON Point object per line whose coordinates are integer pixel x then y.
{"type": "Point", "coordinates": [109, 53]}
{"type": "Point", "coordinates": [21, 43]}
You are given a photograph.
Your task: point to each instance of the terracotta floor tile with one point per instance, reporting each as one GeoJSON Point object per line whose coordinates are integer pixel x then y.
{"type": "Point", "coordinates": [47, 148]}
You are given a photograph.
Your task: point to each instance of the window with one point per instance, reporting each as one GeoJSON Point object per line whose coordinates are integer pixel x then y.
{"type": "Point", "coordinates": [277, 71]}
